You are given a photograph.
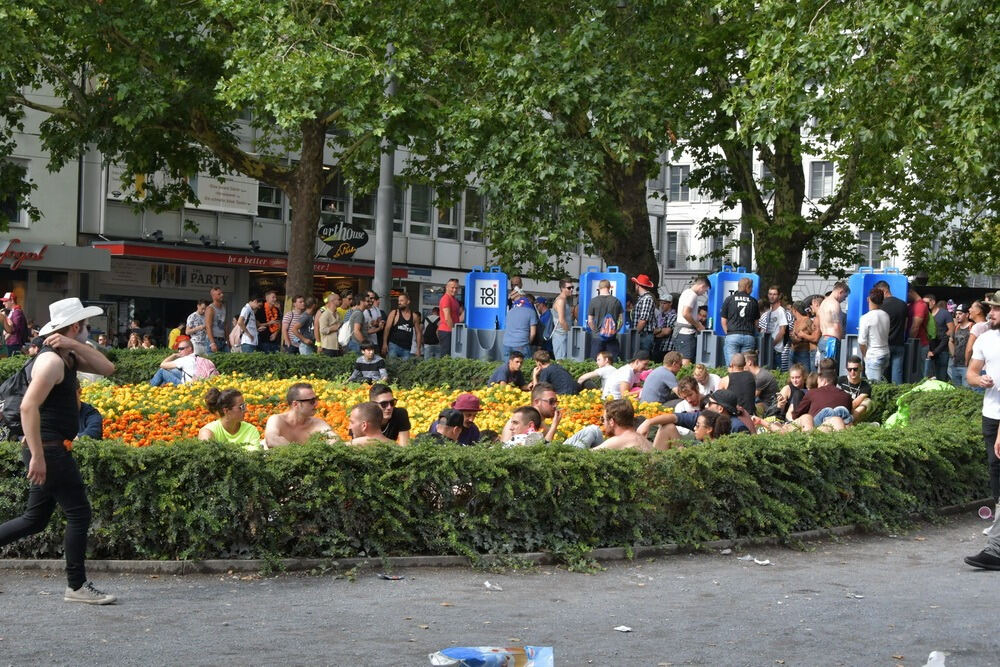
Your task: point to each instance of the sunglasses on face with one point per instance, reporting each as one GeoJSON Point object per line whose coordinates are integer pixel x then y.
{"type": "Point", "coordinates": [242, 406]}
{"type": "Point", "coordinates": [308, 400]}
{"type": "Point", "coordinates": [854, 369]}
{"type": "Point", "coordinates": [550, 401]}
{"type": "Point", "coordinates": [387, 404]}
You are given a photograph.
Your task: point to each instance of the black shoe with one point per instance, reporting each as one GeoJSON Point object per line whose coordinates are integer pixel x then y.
{"type": "Point", "coordinates": [984, 560]}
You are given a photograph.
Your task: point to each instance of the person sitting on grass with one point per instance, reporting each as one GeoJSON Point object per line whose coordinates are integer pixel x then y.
{"type": "Point", "coordinates": [469, 406]}
{"type": "Point", "coordinates": [91, 421]}
{"type": "Point", "coordinates": [618, 424]}
{"type": "Point", "coordinates": [395, 423]}
{"type": "Point", "coordinates": [369, 367]}
{"type": "Point", "coordinates": [554, 374]}
{"type": "Point", "coordinates": [524, 427]}
{"type": "Point", "coordinates": [365, 420]}
{"type": "Point", "coordinates": [449, 426]}
{"type": "Point", "coordinates": [676, 429]}
{"type": "Point", "coordinates": [177, 368]}
{"type": "Point", "coordinates": [711, 425]}
{"type": "Point", "coordinates": [509, 372]}
{"type": "Point", "coordinates": [297, 423]}
{"type": "Point", "coordinates": [229, 427]}
{"type": "Point", "coordinates": [792, 393]}
{"type": "Point", "coordinates": [605, 371]}
{"type": "Point", "coordinates": [857, 388]}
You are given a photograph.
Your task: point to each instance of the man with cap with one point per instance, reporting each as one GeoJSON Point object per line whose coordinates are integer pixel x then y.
{"type": "Point", "coordinates": [679, 427]}
{"type": "Point", "coordinates": [50, 416]}
{"type": "Point", "coordinates": [739, 316]}
{"type": "Point", "coordinates": [15, 324]}
{"type": "Point", "coordinates": [521, 327]}
{"type": "Point", "coordinates": [957, 344]}
{"type": "Point", "coordinates": [468, 406]}
{"type": "Point", "coordinates": [986, 357]}
{"type": "Point", "coordinates": [665, 321]}
{"type": "Point", "coordinates": [605, 316]}
{"type": "Point", "coordinates": [448, 426]}
{"type": "Point", "coordinates": [35, 346]}
{"type": "Point", "coordinates": [642, 314]}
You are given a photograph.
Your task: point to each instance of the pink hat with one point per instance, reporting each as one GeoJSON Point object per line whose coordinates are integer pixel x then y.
{"type": "Point", "coordinates": [467, 403]}
{"type": "Point", "coordinates": [9, 296]}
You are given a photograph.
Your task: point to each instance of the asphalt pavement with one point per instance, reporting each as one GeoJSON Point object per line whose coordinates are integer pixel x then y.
{"type": "Point", "coordinates": [856, 600]}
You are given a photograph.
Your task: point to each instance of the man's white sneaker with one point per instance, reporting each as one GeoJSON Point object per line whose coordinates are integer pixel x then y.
{"type": "Point", "coordinates": [88, 594]}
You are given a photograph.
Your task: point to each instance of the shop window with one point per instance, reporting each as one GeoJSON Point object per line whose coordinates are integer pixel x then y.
{"type": "Point", "coordinates": [474, 215]}
{"type": "Point", "coordinates": [268, 202]}
{"type": "Point", "coordinates": [420, 210]}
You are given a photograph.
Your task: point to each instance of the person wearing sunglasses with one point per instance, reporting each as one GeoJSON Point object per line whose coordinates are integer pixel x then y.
{"type": "Point", "coordinates": [858, 388]}
{"type": "Point", "coordinates": [297, 423]}
{"type": "Point", "coordinates": [395, 424]}
{"type": "Point", "coordinates": [229, 428]}
{"type": "Point", "coordinates": [178, 368]}
{"type": "Point", "coordinates": [561, 319]}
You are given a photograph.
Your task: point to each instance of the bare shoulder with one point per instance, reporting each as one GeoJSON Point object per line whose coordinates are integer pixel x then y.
{"type": "Point", "coordinates": [317, 425]}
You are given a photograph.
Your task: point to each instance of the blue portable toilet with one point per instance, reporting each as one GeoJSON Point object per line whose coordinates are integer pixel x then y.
{"type": "Point", "coordinates": [486, 298]}
{"type": "Point", "coordinates": [589, 281]}
{"type": "Point", "coordinates": [722, 284]}
{"type": "Point", "coordinates": [861, 283]}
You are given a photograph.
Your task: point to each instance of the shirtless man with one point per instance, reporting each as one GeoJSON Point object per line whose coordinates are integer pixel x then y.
{"type": "Point", "coordinates": [831, 323]}
{"type": "Point", "coordinates": [561, 320]}
{"type": "Point", "coordinates": [545, 401]}
{"type": "Point", "coordinates": [365, 420]}
{"type": "Point", "coordinates": [297, 423]}
{"type": "Point", "coordinates": [619, 427]}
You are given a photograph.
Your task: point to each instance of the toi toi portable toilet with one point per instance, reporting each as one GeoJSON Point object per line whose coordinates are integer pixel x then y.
{"type": "Point", "coordinates": [486, 298]}
{"type": "Point", "coordinates": [589, 281]}
{"type": "Point", "coordinates": [861, 283]}
{"type": "Point", "coordinates": [722, 284]}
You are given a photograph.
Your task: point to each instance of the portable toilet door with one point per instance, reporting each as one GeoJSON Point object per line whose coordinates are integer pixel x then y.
{"type": "Point", "coordinates": [861, 283]}
{"type": "Point", "coordinates": [589, 280]}
{"type": "Point", "coordinates": [486, 298]}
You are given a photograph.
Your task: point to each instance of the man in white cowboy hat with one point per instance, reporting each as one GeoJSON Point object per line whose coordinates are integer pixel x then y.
{"type": "Point", "coordinates": [645, 307]}
{"type": "Point", "coordinates": [50, 417]}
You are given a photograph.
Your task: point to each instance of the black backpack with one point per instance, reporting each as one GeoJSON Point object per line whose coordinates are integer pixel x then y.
{"type": "Point", "coordinates": [431, 333]}
{"type": "Point", "coordinates": [11, 392]}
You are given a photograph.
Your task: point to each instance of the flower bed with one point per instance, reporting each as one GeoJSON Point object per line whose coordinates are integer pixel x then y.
{"type": "Point", "coordinates": [140, 414]}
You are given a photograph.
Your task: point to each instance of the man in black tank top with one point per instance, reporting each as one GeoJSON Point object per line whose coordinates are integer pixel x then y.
{"type": "Point", "coordinates": [402, 325]}
{"type": "Point", "coordinates": [741, 382]}
{"type": "Point", "coordinates": [50, 418]}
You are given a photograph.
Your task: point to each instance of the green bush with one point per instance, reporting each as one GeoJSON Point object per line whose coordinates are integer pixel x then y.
{"type": "Point", "coordinates": [138, 366]}
{"type": "Point", "coordinates": [191, 500]}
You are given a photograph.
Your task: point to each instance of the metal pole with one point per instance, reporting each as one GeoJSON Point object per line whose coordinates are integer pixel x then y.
{"type": "Point", "coordinates": [384, 204]}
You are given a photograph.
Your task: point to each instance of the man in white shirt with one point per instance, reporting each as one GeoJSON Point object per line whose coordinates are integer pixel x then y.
{"type": "Point", "coordinates": [775, 324]}
{"type": "Point", "coordinates": [623, 379]}
{"type": "Point", "coordinates": [986, 355]}
{"type": "Point", "coordinates": [247, 323]}
{"type": "Point", "coordinates": [688, 325]}
{"type": "Point", "coordinates": [873, 336]}
{"type": "Point", "coordinates": [605, 371]}
{"type": "Point", "coordinates": [178, 368]}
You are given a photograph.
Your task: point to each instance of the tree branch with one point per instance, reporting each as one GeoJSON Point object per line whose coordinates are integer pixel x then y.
{"type": "Point", "coordinates": [61, 112]}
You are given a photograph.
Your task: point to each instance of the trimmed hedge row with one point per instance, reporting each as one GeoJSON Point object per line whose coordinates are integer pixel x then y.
{"type": "Point", "coordinates": [138, 366]}
{"type": "Point", "coordinates": [193, 501]}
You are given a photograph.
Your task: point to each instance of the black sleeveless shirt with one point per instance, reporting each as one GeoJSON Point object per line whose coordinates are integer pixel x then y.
{"type": "Point", "coordinates": [59, 412]}
{"type": "Point", "coordinates": [742, 384]}
{"type": "Point", "coordinates": [402, 331]}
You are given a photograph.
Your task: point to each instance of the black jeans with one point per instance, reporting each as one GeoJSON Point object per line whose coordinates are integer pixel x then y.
{"type": "Point", "coordinates": [63, 485]}
{"type": "Point", "coordinates": [990, 437]}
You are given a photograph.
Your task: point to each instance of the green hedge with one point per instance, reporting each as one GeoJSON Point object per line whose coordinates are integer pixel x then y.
{"type": "Point", "coordinates": [138, 366]}
{"type": "Point", "coordinates": [191, 500]}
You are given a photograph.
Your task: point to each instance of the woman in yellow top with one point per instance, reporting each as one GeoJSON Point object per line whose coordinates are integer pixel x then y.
{"type": "Point", "coordinates": [229, 427]}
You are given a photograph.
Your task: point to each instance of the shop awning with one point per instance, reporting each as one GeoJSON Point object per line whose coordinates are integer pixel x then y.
{"type": "Point", "coordinates": [263, 261]}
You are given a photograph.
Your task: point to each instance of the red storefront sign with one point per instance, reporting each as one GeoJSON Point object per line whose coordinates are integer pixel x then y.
{"type": "Point", "coordinates": [18, 253]}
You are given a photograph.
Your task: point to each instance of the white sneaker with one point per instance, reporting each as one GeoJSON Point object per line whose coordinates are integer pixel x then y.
{"type": "Point", "coordinates": [987, 529]}
{"type": "Point", "coordinates": [88, 594]}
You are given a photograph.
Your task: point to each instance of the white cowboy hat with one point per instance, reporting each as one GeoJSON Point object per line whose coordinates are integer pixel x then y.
{"type": "Point", "coordinates": [65, 312]}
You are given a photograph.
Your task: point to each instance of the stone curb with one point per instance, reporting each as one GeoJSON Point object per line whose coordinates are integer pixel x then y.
{"type": "Point", "coordinates": [234, 566]}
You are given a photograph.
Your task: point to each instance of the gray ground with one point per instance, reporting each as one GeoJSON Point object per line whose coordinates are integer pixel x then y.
{"type": "Point", "coordinates": [864, 600]}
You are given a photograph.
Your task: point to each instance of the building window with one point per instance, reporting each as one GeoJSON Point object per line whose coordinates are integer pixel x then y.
{"type": "Point", "coordinates": [870, 249]}
{"type": "Point", "coordinates": [472, 224]}
{"type": "Point", "coordinates": [363, 211]}
{"type": "Point", "coordinates": [766, 183]}
{"type": "Point", "coordinates": [447, 221]}
{"type": "Point", "coordinates": [672, 250]}
{"type": "Point", "coordinates": [420, 210]}
{"type": "Point", "coordinates": [678, 175]}
{"type": "Point", "coordinates": [268, 202]}
{"type": "Point", "coordinates": [812, 260]}
{"type": "Point", "coordinates": [398, 206]}
{"type": "Point", "coordinates": [820, 179]}
{"type": "Point", "coordinates": [334, 198]}
{"type": "Point", "coordinates": [717, 260]}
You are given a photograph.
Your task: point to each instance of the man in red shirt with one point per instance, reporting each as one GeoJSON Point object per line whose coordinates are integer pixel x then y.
{"type": "Point", "coordinates": [451, 314]}
{"type": "Point", "coordinates": [917, 322]}
{"type": "Point", "coordinates": [15, 324]}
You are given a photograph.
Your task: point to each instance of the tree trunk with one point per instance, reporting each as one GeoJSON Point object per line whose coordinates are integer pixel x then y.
{"type": "Point", "coordinates": [304, 199]}
{"type": "Point", "coordinates": [628, 243]}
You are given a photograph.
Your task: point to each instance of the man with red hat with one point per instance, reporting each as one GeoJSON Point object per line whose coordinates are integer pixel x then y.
{"type": "Point", "coordinates": [469, 406]}
{"type": "Point", "coordinates": [645, 307]}
{"type": "Point", "coordinates": [15, 324]}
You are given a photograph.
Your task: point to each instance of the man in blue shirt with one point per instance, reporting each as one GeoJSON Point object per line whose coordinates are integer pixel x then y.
{"type": "Point", "coordinates": [660, 384]}
{"type": "Point", "coordinates": [522, 323]}
{"type": "Point", "coordinates": [509, 372]}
